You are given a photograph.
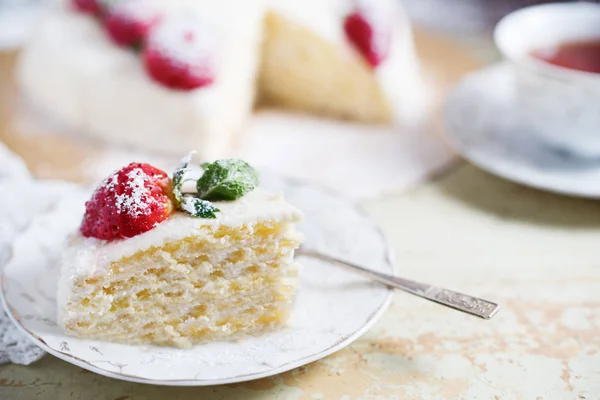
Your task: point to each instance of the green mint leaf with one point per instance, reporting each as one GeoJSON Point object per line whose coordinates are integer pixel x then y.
{"type": "Point", "coordinates": [226, 180]}
{"type": "Point", "coordinates": [198, 207]}
{"type": "Point", "coordinates": [178, 176]}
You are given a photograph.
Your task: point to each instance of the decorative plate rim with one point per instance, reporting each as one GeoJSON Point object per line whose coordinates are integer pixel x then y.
{"type": "Point", "coordinates": [339, 345]}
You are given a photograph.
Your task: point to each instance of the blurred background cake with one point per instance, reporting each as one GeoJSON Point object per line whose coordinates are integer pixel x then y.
{"type": "Point", "coordinates": [173, 75]}
{"type": "Point", "coordinates": [280, 83]}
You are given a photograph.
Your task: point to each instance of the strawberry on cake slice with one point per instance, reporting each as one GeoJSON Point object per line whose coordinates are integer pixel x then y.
{"type": "Point", "coordinates": [154, 264]}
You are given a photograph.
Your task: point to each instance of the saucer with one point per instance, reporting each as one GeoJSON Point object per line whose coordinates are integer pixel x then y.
{"type": "Point", "coordinates": [484, 126]}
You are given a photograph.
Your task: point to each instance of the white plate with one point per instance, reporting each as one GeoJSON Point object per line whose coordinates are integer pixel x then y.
{"type": "Point", "coordinates": [333, 307]}
{"type": "Point", "coordinates": [485, 128]}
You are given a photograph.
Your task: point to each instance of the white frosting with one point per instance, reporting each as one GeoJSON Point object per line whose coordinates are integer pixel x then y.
{"type": "Point", "coordinates": [73, 71]}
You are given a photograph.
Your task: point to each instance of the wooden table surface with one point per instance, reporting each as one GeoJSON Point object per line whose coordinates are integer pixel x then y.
{"type": "Point", "coordinates": [533, 252]}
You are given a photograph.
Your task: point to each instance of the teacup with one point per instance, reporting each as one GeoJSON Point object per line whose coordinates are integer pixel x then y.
{"type": "Point", "coordinates": [560, 105]}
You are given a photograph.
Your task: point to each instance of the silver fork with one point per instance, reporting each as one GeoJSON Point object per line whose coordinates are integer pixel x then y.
{"type": "Point", "coordinates": [459, 301]}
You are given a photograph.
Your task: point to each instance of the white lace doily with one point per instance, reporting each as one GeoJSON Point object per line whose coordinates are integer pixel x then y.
{"type": "Point", "coordinates": [17, 208]}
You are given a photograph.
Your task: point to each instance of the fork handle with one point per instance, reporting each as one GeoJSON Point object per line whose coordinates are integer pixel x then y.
{"type": "Point", "coordinates": [459, 301]}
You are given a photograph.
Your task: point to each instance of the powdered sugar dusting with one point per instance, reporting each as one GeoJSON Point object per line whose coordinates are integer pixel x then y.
{"type": "Point", "coordinates": [187, 40]}
{"type": "Point", "coordinates": [188, 206]}
{"type": "Point", "coordinates": [135, 200]}
{"type": "Point", "coordinates": [143, 10]}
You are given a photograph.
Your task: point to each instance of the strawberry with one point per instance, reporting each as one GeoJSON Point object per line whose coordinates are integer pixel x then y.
{"type": "Point", "coordinates": [131, 201]}
{"type": "Point", "coordinates": [128, 22]}
{"type": "Point", "coordinates": [370, 32]}
{"type": "Point", "coordinates": [87, 6]}
{"type": "Point", "coordinates": [180, 53]}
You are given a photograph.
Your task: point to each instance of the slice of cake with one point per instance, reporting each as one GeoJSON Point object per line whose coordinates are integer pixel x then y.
{"type": "Point", "coordinates": [152, 265]}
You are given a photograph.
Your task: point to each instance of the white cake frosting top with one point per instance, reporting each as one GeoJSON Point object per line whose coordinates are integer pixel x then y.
{"type": "Point", "coordinates": [255, 206]}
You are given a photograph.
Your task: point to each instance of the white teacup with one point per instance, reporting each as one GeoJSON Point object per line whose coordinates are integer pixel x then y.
{"type": "Point", "coordinates": [561, 105]}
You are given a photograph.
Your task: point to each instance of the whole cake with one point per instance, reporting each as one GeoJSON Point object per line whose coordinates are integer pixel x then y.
{"type": "Point", "coordinates": [127, 71]}
{"type": "Point", "coordinates": [153, 265]}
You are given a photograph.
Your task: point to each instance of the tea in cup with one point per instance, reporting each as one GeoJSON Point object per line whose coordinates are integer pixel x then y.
{"type": "Point", "coordinates": [555, 51]}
